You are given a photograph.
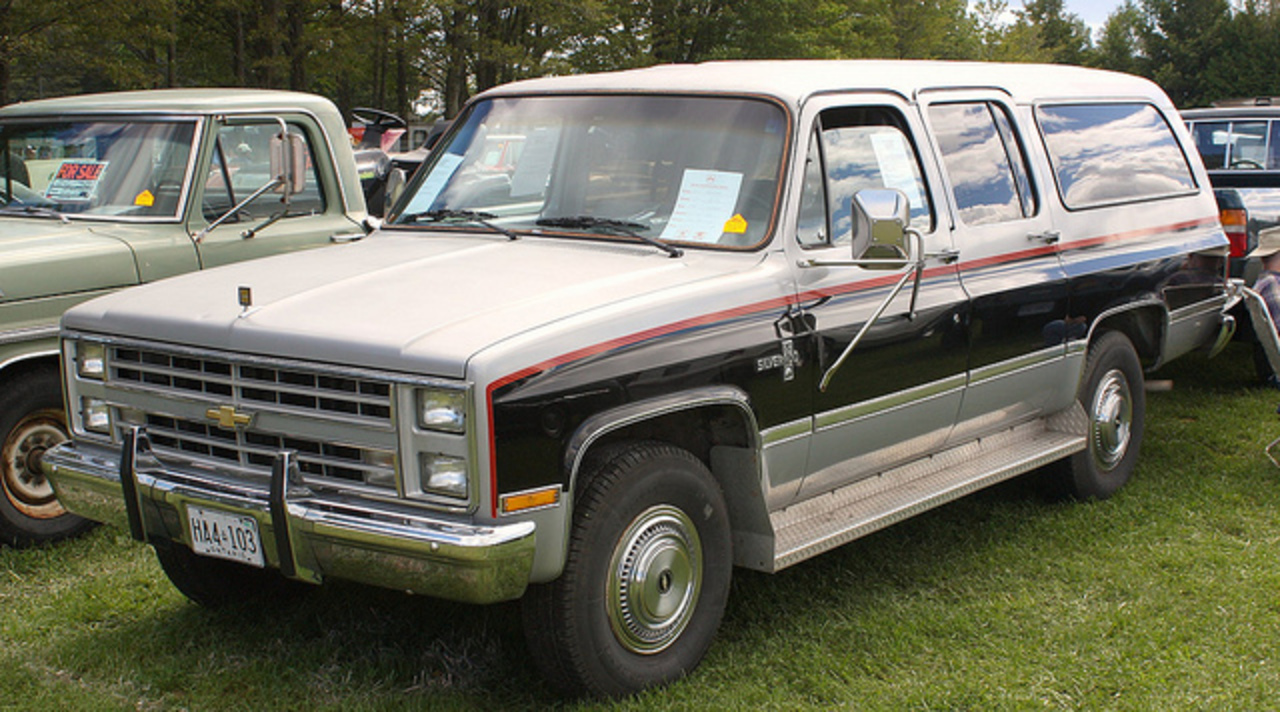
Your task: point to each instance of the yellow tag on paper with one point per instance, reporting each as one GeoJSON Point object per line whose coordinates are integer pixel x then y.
{"type": "Point", "coordinates": [145, 199]}
{"type": "Point", "coordinates": [736, 224]}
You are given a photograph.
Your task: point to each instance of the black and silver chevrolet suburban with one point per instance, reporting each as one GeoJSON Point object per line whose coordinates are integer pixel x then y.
{"type": "Point", "coordinates": [625, 332]}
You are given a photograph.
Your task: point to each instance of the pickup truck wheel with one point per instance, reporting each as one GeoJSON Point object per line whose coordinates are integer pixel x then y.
{"type": "Point", "coordinates": [645, 580]}
{"type": "Point", "coordinates": [32, 421]}
{"type": "Point", "coordinates": [1114, 402]}
{"type": "Point", "coordinates": [214, 583]}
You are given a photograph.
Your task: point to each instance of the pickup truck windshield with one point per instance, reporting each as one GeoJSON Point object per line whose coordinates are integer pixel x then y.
{"type": "Point", "coordinates": [119, 170]}
{"type": "Point", "coordinates": [680, 169]}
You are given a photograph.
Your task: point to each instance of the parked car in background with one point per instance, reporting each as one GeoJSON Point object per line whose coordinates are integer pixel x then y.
{"type": "Point", "coordinates": [1239, 143]}
{"type": "Point", "coordinates": [106, 191]}
{"type": "Point", "coordinates": [626, 331]}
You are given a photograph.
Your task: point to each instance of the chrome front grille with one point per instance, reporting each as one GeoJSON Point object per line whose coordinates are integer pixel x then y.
{"type": "Point", "coordinates": [263, 387]}
{"type": "Point", "coordinates": [329, 409]}
{"type": "Point", "coordinates": [253, 451]}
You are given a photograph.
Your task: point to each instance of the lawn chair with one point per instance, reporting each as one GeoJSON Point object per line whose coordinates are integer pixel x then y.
{"type": "Point", "coordinates": [1265, 331]}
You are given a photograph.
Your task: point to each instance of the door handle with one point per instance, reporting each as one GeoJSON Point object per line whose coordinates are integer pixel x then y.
{"type": "Point", "coordinates": [1049, 237]}
{"type": "Point", "coordinates": [946, 257]}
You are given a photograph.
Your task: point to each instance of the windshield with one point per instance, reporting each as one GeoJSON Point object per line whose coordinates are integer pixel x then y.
{"type": "Point", "coordinates": [682, 169]}
{"type": "Point", "coordinates": [98, 169]}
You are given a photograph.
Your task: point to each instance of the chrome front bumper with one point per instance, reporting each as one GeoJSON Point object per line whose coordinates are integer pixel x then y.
{"type": "Point", "coordinates": [307, 535]}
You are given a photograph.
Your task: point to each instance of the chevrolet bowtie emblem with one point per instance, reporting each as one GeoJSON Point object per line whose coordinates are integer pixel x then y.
{"type": "Point", "coordinates": [227, 417]}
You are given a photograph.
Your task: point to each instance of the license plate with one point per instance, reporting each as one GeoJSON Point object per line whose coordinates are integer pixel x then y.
{"type": "Point", "coordinates": [224, 536]}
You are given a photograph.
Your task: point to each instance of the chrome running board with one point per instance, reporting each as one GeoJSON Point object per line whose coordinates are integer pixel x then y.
{"type": "Point", "coordinates": [829, 520]}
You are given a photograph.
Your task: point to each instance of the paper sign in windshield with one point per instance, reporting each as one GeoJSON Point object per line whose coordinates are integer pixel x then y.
{"type": "Point", "coordinates": [75, 181]}
{"type": "Point", "coordinates": [534, 168]}
{"type": "Point", "coordinates": [431, 187]}
{"type": "Point", "coordinates": [705, 204]}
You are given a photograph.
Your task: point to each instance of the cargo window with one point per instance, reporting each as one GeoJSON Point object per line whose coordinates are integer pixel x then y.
{"type": "Point", "coordinates": [989, 177]}
{"type": "Point", "coordinates": [1111, 153]}
{"type": "Point", "coordinates": [854, 149]}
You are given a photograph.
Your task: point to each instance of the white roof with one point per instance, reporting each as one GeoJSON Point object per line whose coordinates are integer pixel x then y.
{"type": "Point", "coordinates": [793, 81]}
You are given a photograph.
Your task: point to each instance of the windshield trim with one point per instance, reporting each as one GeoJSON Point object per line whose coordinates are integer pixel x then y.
{"type": "Point", "coordinates": [188, 184]}
{"type": "Point", "coordinates": [784, 160]}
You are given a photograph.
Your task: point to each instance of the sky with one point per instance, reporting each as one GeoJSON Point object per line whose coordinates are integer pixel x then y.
{"type": "Point", "coordinates": [1093, 12]}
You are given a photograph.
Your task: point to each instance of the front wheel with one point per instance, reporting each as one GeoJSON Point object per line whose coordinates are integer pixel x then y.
{"type": "Point", "coordinates": [645, 580]}
{"type": "Point", "coordinates": [1114, 400]}
{"type": "Point", "coordinates": [31, 422]}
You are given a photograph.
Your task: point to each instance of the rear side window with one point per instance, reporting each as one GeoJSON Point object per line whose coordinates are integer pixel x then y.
{"type": "Point", "coordinates": [989, 178]}
{"type": "Point", "coordinates": [1111, 153]}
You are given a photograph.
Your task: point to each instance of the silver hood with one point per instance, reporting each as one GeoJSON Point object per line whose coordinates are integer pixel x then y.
{"type": "Point", "coordinates": [415, 303]}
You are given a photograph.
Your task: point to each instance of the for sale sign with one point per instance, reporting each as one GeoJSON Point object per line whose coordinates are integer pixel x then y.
{"type": "Point", "coordinates": [75, 181]}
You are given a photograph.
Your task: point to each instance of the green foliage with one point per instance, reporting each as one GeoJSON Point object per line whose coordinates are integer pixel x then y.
{"type": "Point", "coordinates": [394, 54]}
{"type": "Point", "coordinates": [1120, 46]}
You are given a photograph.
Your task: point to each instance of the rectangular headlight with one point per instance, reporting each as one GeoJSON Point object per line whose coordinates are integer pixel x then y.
{"type": "Point", "coordinates": [96, 415]}
{"type": "Point", "coordinates": [442, 409]}
{"type": "Point", "coordinates": [91, 360]}
{"type": "Point", "coordinates": [444, 475]}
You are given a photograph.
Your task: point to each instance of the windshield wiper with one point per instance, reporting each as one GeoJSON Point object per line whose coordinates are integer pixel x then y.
{"type": "Point", "coordinates": [33, 211]}
{"type": "Point", "coordinates": [623, 227]}
{"type": "Point", "coordinates": [475, 216]}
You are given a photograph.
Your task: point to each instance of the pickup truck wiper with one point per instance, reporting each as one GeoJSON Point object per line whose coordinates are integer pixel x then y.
{"type": "Point", "coordinates": [475, 216]}
{"type": "Point", "coordinates": [624, 227]}
{"type": "Point", "coordinates": [33, 211]}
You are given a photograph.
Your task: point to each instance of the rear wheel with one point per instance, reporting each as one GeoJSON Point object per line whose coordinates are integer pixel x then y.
{"type": "Point", "coordinates": [1114, 400]}
{"type": "Point", "coordinates": [645, 580]}
{"type": "Point", "coordinates": [32, 422]}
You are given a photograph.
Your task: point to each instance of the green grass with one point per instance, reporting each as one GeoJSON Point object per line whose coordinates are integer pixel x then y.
{"type": "Point", "coordinates": [1164, 597]}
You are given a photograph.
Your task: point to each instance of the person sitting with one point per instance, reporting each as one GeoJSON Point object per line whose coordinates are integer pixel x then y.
{"type": "Point", "coordinates": [1268, 287]}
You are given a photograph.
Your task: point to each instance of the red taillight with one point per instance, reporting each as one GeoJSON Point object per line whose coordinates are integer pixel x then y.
{"type": "Point", "coordinates": [1234, 223]}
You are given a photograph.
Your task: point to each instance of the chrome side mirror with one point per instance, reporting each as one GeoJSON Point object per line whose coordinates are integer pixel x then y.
{"type": "Point", "coordinates": [881, 220]}
{"type": "Point", "coordinates": [882, 234]}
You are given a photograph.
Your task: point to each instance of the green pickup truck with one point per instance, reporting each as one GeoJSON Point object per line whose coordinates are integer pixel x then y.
{"type": "Point", "coordinates": [106, 191]}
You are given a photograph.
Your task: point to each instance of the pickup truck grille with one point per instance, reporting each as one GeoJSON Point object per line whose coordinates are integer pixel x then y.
{"type": "Point", "coordinates": [254, 451]}
{"type": "Point", "coordinates": [341, 406]}
{"type": "Point", "coordinates": [289, 390]}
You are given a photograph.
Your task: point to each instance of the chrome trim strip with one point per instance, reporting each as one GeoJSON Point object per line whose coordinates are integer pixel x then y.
{"type": "Point", "coordinates": [31, 333]}
{"type": "Point", "coordinates": [603, 423]}
{"type": "Point", "coordinates": [1018, 363]}
{"type": "Point", "coordinates": [1130, 306]}
{"type": "Point", "coordinates": [786, 432]}
{"type": "Point", "coordinates": [892, 401]}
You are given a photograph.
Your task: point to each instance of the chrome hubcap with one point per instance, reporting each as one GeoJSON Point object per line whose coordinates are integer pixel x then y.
{"type": "Point", "coordinates": [655, 577]}
{"type": "Point", "coordinates": [24, 482]}
{"type": "Point", "coordinates": [1111, 420]}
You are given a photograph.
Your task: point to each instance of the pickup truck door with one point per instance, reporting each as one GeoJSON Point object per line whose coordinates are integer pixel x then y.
{"type": "Point", "coordinates": [1008, 259]}
{"type": "Point", "coordinates": [238, 164]}
{"type": "Point", "coordinates": [897, 394]}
